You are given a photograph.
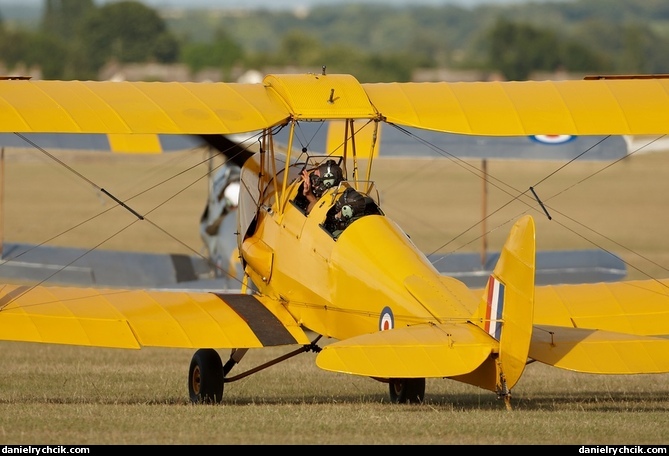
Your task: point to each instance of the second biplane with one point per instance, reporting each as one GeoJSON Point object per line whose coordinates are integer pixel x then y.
{"type": "Point", "coordinates": [393, 317]}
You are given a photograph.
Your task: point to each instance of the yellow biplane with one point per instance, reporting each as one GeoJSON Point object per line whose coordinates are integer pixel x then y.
{"type": "Point", "coordinates": [391, 315]}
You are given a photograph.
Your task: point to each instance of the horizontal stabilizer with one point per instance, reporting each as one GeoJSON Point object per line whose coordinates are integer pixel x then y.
{"type": "Point", "coordinates": [599, 352]}
{"type": "Point", "coordinates": [423, 351]}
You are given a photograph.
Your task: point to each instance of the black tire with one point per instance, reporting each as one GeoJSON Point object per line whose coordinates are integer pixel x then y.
{"type": "Point", "coordinates": [407, 390]}
{"type": "Point", "coordinates": [205, 377]}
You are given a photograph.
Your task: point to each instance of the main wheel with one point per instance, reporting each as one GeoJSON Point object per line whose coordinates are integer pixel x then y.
{"type": "Point", "coordinates": [407, 390]}
{"type": "Point", "coordinates": [205, 377]}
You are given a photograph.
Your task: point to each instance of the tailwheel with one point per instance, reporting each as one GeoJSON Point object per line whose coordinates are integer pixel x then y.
{"type": "Point", "coordinates": [205, 377]}
{"type": "Point", "coordinates": [407, 390]}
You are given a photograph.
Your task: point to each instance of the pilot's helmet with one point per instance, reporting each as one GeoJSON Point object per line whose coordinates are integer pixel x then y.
{"type": "Point", "coordinates": [351, 204]}
{"type": "Point", "coordinates": [331, 175]}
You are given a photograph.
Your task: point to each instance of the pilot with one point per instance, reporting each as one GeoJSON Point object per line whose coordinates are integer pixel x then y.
{"type": "Point", "coordinates": [350, 206]}
{"type": "Point", "coordinates": [327, 175]}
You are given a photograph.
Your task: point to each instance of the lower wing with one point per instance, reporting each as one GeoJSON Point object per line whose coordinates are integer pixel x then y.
{"type": "Point", "coordinates": [133, 318]}
{"type": "Point", "coordinates": [603, 328]}
{"type": "Point", "coordinates": [599, 352]}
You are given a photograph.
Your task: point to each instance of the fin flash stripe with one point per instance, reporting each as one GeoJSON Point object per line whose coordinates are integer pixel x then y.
{"type": "Point", "coordinates": [495, 300]}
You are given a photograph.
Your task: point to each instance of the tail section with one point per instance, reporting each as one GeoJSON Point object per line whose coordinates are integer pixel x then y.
{"type": "Point", "coordinates": [507, 305]}
{"type": "Point", "coordinates": [494, 361]}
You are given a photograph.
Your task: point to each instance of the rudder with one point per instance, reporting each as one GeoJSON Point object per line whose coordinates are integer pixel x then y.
{"type": "Point", "coordinates": [507, 305]}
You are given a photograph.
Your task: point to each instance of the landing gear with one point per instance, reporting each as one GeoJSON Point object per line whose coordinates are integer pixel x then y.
{"type": "Point", "coordinates": [205, 377]}
{"type": "Point", "coordinates": [207, 374]}
{"type": "Point", "coordinates": [407, 390]}
{"type": "Point", "coordinates": [503, 392]}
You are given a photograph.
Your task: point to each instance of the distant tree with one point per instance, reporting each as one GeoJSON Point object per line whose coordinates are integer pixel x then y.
{"type": "Point", "coordinates": [299, 49]}
{"type": "Point", "coordinates": [49, 54]}
{"type": "Point", "coordinates": [222, 52]}
{"type": "Point", "coordinates": [63, 18]}
{"type": "Point", "coordinates": [341, 58]}
{"type": "Point", "coordinates": [658, 57]}
{"type": "Point", "coordinates": [577, 57]}
{"type": "Point", "coordinates": [643, 51]}
{"type": "Point", "coordinates": [516, 50]}
{"type": "Point", "coordinates": [387, 68]}
{"type": "Point", "coordinates": [13, 47]}
{"type": "Point", "coordinates": [584, 36]}
{"type": "Point", "coordinates": [628, 48]}
{"type": "Point", "coordinates": [59, 41]}
{"type": "Point", "coordinates": [33, 49]}
{"type": "Point", "coordinates": [127, 31]}
{"type": "Point", "coordinates": [429, 51]}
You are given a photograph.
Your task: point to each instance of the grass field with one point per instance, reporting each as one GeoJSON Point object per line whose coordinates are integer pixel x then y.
{"type": "Point", "coordinates": [76, 395]}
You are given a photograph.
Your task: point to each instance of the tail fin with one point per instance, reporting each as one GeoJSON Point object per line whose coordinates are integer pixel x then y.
{"type": "Point", "coordinates": [507, 306]}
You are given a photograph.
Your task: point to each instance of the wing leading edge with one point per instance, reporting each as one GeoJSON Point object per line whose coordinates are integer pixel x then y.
{"type": "Point", "coordinates": [133, 319]}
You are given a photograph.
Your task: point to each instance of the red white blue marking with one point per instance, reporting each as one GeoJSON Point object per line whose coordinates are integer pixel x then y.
{"type": "Point", "coordinates": [493, 314]}
{"type": "Point", "coordinates": [386, 320]}
{"type": "Point", "coordinates": [553, 139]}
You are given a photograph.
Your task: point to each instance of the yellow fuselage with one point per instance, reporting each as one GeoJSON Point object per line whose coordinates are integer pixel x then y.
{"type": "Point", "coordinates": [371, 278]}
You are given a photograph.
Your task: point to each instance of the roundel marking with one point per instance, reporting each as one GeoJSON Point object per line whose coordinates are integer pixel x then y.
{"type": "Point", "coordinates": [386, 320]}
{"type": "Point", "coordinates": [552, 139]}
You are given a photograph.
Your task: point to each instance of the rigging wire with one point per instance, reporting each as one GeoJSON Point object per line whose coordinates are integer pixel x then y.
{"type": "Point", "coordinates": [518, 195]}
{"type": "Point", "coordinates": [304, 143]}
{"type": "Point", "coordinates": [119, 202]}
{"type": "Point", "coordinates": [515, 194]}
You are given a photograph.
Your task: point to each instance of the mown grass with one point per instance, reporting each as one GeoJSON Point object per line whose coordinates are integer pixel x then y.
{"type": "Point", "coordinates": [77, 395]}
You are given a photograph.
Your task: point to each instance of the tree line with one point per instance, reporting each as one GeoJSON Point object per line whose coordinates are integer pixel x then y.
{"type": "Point", "coordinates": [76, 38]}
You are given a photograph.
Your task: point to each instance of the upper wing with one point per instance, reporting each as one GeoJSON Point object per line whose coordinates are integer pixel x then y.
{"type": "Point", "coordinates": [584, 107]}
{"type": "Point", "coordinates": [137, 107]}
{"type": "Point", "coordinates": [638, 307]}
{"type": "Point", "coordinates": [132, 319]}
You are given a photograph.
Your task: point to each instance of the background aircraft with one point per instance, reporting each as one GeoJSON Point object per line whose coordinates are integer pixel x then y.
{"type": "Point", "coordinates": [219, 267]}
{"type": "Point", "coordinates": [393, 317]}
